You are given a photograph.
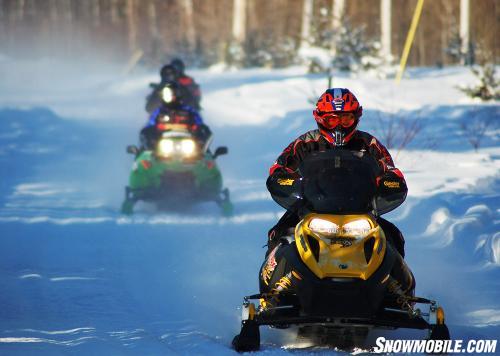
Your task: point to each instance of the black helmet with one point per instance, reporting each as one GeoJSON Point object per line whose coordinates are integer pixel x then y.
{"type": "Point", "coordinates": [178, 65]}
{"type": "Point", "coordinates": [168, 73]}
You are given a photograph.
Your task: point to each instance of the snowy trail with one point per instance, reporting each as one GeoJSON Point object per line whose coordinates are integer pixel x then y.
{"type": "Point", "coordinates": [84, 266]}
{"type": "Point", "coordinates": [76, 276]}
{"type": "Point", "coordinates": [119, 280]}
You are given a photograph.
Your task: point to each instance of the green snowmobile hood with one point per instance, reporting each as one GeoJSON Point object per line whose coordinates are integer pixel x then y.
{"type": "Point", "coordinates": [148, 170]}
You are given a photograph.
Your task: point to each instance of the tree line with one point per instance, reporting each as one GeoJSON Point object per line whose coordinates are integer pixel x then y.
{"type": "Point", "coordinates": [205, 31]}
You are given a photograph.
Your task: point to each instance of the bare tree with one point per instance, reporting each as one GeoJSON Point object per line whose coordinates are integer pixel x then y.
{"type": "Point", "coordinates": [190, 30]}
{"type": "Point", "coordinates": [307, 15]}
{"type": "Point", "coordinates": [476, 126]}
{"type": "Point", "coordinates": [236, 49]}
{"type": "Point", "coordinates": [465, 25]}
{"type": "Point", "coordinates": [385, 27]}
{"type": "Point", "coordinates": [449, 26]}
{"type": "Point", "coordinates": [68, 12]}
{"type": "Point", "coordinates": [338, 11]}
{"type": "Point", "coordinates": [21, 8]}
{"type": "Point", "coordinates": [155, 52]}
{"type": "Point", "coordinates": [53, 13]}
{"type": "Point", "coordinates": [398, 131]}
{"type": "Point", "coordinates": [239, 20]}
{"type": "Point", "coordinates": [96, 12]}
{"type": "Point", "coordinates": [113, 10]}
{"type": "Point", "coordinates": [152, 19]}
{"type": "Point", "coordinates": [132, 26]}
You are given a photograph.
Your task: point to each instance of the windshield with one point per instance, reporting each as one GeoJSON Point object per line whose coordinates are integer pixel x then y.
{"type": "Point", "coordinates": [339, 182]}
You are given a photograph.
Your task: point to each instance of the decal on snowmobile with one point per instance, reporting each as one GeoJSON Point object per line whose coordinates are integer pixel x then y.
{"type": "Point", "coordinates": [403, 299]}
{"type": "Point", "coordinates": [284, 283]}
{"type": "Point", "coordinates": [342, 241]}
{"type": "Point", "coordinates": [391, 185]}
{"type": "Point", "coordinates": [268, 269]}
{"type": "Point", "coordinates": [283, 181]}
{"type": "Point", "coordinates": [146, 164]}
{"type": "Point", "coordinates": [273, 298]}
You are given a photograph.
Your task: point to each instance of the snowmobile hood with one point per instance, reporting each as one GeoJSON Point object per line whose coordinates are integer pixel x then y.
{"type": "Point", "coordinates": [343, 246]}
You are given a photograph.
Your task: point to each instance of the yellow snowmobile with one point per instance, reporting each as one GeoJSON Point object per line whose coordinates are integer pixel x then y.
{"type": "Point", "coordinates": [337, 275]}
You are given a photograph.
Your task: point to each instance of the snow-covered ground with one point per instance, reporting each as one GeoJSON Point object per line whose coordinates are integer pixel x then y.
{"type": "Point", "coordinates": [77, 277]}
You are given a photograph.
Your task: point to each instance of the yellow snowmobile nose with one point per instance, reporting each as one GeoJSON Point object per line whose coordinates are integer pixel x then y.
{"type": "Point", "coordinates": [343, 246]}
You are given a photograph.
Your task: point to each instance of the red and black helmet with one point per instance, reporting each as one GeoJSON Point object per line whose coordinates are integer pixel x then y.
{"type": "Point", "coordinates": [337, 113]}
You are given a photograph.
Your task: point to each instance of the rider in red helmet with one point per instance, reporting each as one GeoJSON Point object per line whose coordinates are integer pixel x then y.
{"type": "Point", "coordinates": [337, 115]}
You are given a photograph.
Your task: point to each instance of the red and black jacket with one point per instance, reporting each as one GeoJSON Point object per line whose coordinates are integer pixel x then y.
{"type": "Point", "coordinates": [289, 160]}
{"type": "Point", "coordinates": [192, 87]}
{"type": "Point", "coordinates": [390, 181]}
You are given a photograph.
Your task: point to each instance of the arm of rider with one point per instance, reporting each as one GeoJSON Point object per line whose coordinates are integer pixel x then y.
{"type": "Point", "coordinates": [286, 189]}
{"type": "Point", "coordinates": [392, 186]}
{"type": "Point", "coordinates": [284, 182]}
{"type": "Point", "coordinates": [153, 101]}
{"type": "Point", "coordinates": [391, 183]}
{"type": "Point", "coordinates": [206, 130]}
{"type": "Point", "coordinates": [203, 132]}
{"type": "Point", "coordinates": [196, 91]}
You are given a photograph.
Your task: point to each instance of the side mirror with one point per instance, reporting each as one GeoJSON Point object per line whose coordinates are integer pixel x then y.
{"type": "Point", "coordinates": [153, 85]}
{"type": "Point", "coordinates": [222, 150]}
{"type": "Point", "coordinates": [132, 150]}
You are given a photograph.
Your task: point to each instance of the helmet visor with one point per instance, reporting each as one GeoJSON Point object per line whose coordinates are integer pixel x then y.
{"type": "Point", "coordinates": [332, 120]}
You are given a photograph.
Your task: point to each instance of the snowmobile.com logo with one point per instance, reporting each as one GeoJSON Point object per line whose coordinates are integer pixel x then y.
{"type": "Point", "coordinates": [435, 346]}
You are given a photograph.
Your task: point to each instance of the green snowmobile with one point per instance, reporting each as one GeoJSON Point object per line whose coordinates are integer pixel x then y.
{"type": "Point", "coordinates": [178, 171]}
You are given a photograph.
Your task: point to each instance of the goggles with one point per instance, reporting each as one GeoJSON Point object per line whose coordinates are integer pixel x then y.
{"type": "Point", "coordinates": [331, 120]}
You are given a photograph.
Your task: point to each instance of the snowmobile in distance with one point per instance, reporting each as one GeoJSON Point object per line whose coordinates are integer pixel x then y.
{"type": "Point", "coordinates": [178, 170]}
{"type": "Point", "coordinates": [337, 275]}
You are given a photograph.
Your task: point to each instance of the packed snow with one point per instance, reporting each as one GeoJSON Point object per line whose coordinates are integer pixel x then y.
{"type": "Point", "coordinates": [76, 276]}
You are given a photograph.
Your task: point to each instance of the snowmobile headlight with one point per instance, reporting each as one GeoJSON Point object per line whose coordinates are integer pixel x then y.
{"type": "Point", "coordinates": [165, 147]}
{"type": "Point", "coordinates": [167, 94]}
{"type": "Point", "coordinates": [164, 118]}
{"type": "Point", "coordinates": [357, 228]}
{"type": "Point", "coordinates": [188, 147]}
{"type": "Point", "coordinates": [323, 226]}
